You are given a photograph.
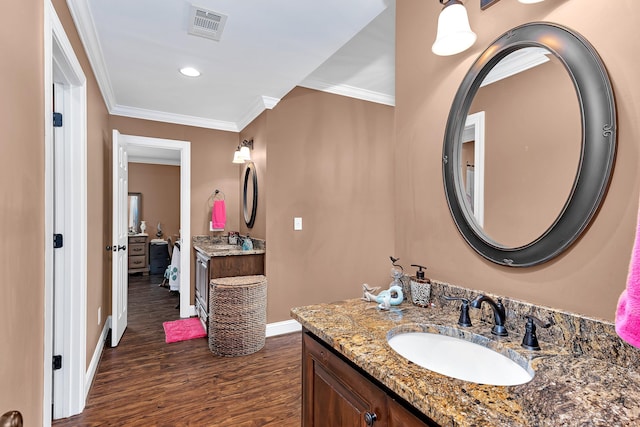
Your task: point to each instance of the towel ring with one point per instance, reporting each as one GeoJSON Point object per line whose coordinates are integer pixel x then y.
{"type": "Point", "coordinates": [217, 195]}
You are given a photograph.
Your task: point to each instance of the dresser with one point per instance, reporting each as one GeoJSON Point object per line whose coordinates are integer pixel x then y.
{"type": "Point", "coordinates": [138, 254]}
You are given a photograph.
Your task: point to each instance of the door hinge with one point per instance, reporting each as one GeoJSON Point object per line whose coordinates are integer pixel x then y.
{"type": "Point", "coordinates": [57, 241]}
{"type": "Point", "coordinates": [57, 120]}
{"type": "Point", "coordinates": [57, 362]}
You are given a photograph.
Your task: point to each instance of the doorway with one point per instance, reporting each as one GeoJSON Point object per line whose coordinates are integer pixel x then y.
{"type": "Point", "coordinates": [65, 214]}
{"type": "Point", "coordinates": [473, 135]}
{"type": "Point", "coordinates": [167, 151]}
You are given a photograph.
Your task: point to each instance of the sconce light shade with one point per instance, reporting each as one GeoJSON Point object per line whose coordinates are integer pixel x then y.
{"type": "Point", "coordinates": [454, 33]}
{"type": "Point", "coordinates": [237, 157]}
{"type": "Point", "coordinates": [245, 153]}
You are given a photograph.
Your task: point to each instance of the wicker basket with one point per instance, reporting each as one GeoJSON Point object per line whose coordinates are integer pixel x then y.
{"type": "Point", "coordinates": [237, 315]}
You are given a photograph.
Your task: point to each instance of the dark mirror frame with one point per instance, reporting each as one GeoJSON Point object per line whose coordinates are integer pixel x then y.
{"type": "Point", "coordinates": [250, 174]}
{"type": "Point", "coordinates": [597, 108]}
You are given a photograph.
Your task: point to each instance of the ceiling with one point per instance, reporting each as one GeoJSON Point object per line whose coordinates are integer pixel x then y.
{"type": "Point", "coordinates": [266, 48]}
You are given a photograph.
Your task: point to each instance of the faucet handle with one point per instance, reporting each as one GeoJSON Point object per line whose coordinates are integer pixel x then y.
{"type": "Point", "coordinates": [530, 339]}
{"type": "Point", "coordinates": [464, 319]}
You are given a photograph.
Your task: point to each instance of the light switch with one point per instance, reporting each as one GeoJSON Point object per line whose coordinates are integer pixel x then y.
{"type": "Point", "coordinates": [297, 223]}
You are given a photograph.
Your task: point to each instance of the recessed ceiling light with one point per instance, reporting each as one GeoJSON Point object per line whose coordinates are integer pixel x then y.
{"type": "Point", "coordinates": [190, 72]}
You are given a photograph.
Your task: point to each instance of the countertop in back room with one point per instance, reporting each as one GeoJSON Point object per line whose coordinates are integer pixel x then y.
{"type": "Point", "coordinates": [219, 246]}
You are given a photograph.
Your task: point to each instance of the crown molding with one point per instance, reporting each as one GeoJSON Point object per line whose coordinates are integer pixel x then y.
{"type": "Point", "coordinates": [350, 91]}
{"type": "Point", "coordinates": [516, 62]}
{"type": "Point", "coordinates": [254, 111]}
{"type": "Point", "coordinates": [83, 20]}
{"type": "Point", "coordinates": [178, 119]}
{"type": "Point", "coordinates": [269, 102]}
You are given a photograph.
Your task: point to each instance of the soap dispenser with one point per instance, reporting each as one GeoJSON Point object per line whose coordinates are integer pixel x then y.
{"type": "Point", "coordinates": [247, 243]}
{"type": "Point", "coordinates": [420, 287]}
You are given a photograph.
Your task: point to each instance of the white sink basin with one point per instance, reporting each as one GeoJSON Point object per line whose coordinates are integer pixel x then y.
{"type": "Point", "coordinates": [458, 358]}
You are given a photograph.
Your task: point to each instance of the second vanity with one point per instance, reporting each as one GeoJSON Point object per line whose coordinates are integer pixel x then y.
{"type": "Point", "coordinates": [584, 374]}
{"type": "Point", "coordinates": [216, 258]}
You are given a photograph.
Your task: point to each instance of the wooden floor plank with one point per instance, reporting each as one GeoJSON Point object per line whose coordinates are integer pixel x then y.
{"type": "Point", "coordinates": [147, 382]}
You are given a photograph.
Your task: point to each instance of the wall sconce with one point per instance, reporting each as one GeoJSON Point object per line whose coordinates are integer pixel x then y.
{"type": "Point", "coordinates": [243, 153]}
{"type": "Point", "coordinates": [454, 33]}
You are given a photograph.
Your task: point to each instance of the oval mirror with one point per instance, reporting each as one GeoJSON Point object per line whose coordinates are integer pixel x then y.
{"type": "Point", "coordinates": [529, 145]}
{"type": "Point", "coordinates": [250, 194]}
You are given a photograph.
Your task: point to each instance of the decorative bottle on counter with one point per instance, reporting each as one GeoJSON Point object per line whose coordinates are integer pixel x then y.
{"type": "Point", "coordinates": [143, 226]}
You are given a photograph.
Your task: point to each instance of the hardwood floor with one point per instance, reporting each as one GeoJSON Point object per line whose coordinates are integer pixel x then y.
{"type": "Point", "coordinates": [146, 382]}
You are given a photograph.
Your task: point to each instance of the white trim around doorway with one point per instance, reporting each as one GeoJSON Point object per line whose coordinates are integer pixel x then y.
{"type": "Point", "coordinates": [62, 67]}
{"type": "Point", "coordinates": [186, 309]}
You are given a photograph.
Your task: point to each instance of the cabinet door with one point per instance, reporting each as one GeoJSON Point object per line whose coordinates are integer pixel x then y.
{"type": "Point", "coordinates": [334, 394]}
{"type": "Point", "coordinates": [399, 416]}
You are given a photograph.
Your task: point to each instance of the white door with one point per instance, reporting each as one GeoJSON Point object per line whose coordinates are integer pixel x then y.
{"type": "Point", "coordinates": [119, 298]}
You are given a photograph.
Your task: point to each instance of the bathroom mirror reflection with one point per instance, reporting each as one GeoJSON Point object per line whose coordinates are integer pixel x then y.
{"type": "Point", "coordinates": [250, 194]}
{"type": "Point", "coordinates": [529, 166]}
{"type": "Point", "coordinates": [543, 150]}
{"type": "Point", "coordinates": [135, 212]}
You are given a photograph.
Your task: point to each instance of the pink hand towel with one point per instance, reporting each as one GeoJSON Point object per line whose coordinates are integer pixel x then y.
{"type": "Point", "coordinates": [628, 313]}
{"type": "Point", "coordinates": [218, 214]}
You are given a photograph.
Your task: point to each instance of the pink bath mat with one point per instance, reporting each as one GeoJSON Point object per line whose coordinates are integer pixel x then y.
{"type": "Point", "coordinates": [183, 329]}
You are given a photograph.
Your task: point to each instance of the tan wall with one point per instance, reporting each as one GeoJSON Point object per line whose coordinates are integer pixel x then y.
{"type": "Point", "coordinates": [160, 188]}
{"type": "Point", "coordinates": [22, 306]}
{"type": "Point", "coordinates": [256, 130]}
{"type": "Point", "coordinates": [331, 163]}
{"type": "Point", "coordinates": [22, 204]}
{"type": "Point", "coordinates": [211, 168]}
{"type": "Point", "coordinates": [589, 277]}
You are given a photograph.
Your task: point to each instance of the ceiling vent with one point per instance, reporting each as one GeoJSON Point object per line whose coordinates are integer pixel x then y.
{"type": "Point", "coordinates": [206, 23]}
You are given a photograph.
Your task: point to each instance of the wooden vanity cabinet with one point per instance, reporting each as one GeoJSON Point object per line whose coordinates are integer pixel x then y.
{"type": "Point", "coordinates": [138, 255]}
{"type": "Point", "coordinates": [336, 393]}
{"type": "Point", "coordinates": [213, 267]}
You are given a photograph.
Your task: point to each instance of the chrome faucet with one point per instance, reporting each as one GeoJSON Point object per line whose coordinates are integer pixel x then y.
{"type": "Point", "coordinates": [499, 314]}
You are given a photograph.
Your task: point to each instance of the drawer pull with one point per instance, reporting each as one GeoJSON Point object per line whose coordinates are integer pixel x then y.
{"type": "Point", "coordinates": [370, 418]}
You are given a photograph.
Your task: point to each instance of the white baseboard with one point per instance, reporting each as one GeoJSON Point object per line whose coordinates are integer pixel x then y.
{"type": "Point", "coordinates": [284, 327]}
{"type": "Point", "coordinates": [192, 311]}
{"type": "Point", "coordinates": [97, 353]}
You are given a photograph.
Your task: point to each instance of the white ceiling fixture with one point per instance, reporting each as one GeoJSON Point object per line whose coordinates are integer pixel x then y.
{"type": "Point", "coordinates": [189, 72]}
{"type": "Point", "coordinates": [266, 50]}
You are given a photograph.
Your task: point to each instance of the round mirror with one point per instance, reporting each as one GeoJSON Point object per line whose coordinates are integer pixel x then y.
{"type": "Point", "coordinates": [529, 145]}
{"type": "Point", "coordinates": [250, 194]}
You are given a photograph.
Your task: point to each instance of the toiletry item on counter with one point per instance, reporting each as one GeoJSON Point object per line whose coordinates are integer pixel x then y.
{"type": "Point", "coordinates": [233, 237]}
{"type": "Point", "coordinates": [247, 244]}
{"type": "Point", "coordinates": [420, 287]}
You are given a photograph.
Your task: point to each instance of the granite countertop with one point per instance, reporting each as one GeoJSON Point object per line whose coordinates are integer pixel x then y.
{"type": "Point", "coordinates": [217, 247]}
{"type": "Point", "coordinates": [570, 388]}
